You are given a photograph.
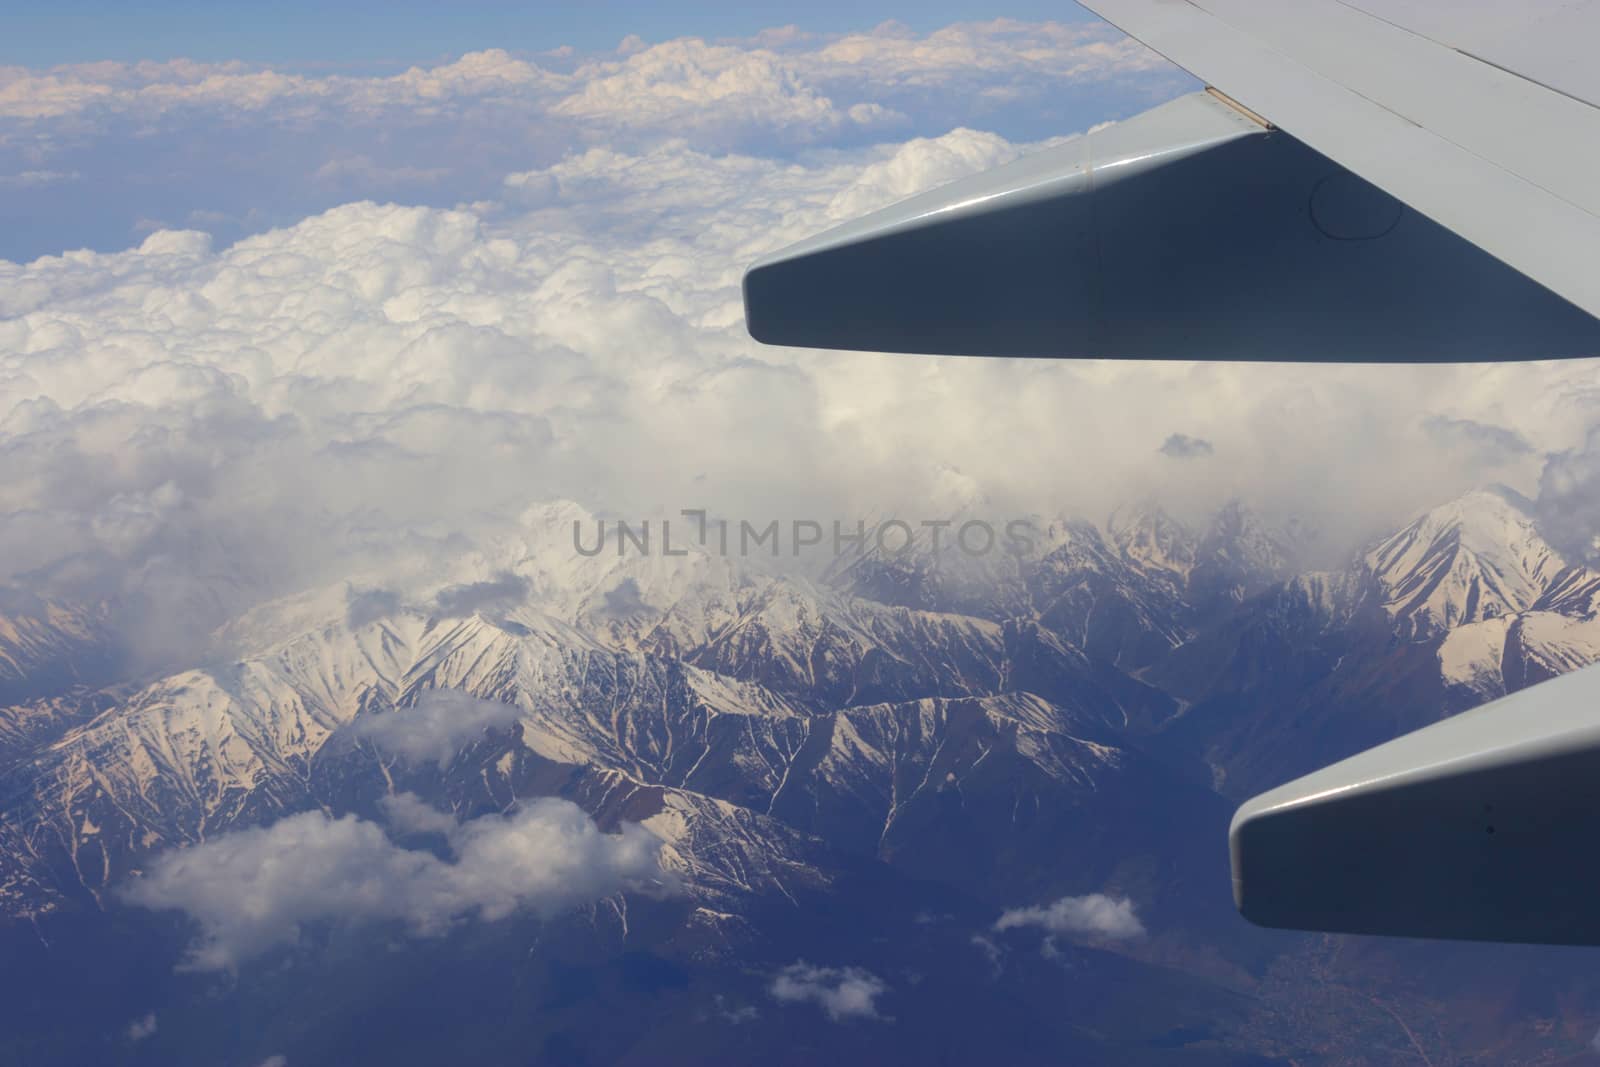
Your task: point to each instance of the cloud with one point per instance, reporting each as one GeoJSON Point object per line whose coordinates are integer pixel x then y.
{"type": "Point", "coordinates": [372, 389]}
{"type": "Point", "coordinates": [282, 145]}
{"type": "Point", "coordinates": [1094, 916]}
{"type": "Point", "coordinates": [1569, 499]}
{"type": "Point", "coordinates": [254, 889]}
{"type": "Point", "coordinates": [623, 600]}
{"type": "Point", "coordinates": [1182, 446]}
{"type": "Point", "coordinates": [364, 606]}
{"type": "Point", "coordinates": [142, 1028]}
{"type": "Point", "coordinates": [1002, 61]}
{"type": "Point", "coordinates": [770, 78]}
{"type": "Point", "coordinates": [1470, 433]}
{"type": "Point", "coordinates": [843, 993]}
{"type": "Point", "coordinates": [992, 952]}
{"type": "Point", "coordinates": [410, 814]}
{"type": "Point", "coordinates": [738, 1015]}
{"type": "Point", "coordinates": [150, 89]}
{"type": "Point", "coordinates": [500, 593]}
{"type": "Point", "coordinates": [437, 726]}
{"type": "Point", "coordinates": [34, 178]}
{"type": "Point", "coordinates": [728, 91]}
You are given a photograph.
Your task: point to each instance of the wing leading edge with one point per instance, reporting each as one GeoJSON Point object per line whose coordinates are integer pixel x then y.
{"type": "Point", "coordinates": [1192, 231]}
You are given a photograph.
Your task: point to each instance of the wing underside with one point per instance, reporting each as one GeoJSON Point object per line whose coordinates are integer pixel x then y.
{"type": "Point", "coordinates": [1189, 232]}
{"type": "Point", "coordinates": [1481, 827]}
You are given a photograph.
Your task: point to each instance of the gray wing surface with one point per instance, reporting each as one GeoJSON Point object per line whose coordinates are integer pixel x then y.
{"type": "Point", "coordinates": [1405, 94]}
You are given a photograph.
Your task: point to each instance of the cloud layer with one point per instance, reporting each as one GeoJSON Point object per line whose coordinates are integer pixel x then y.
{"type": "Point", "coordinates": [379, 388]}
{"type": "Point", "coordinates": [97, 153]}
{"type": "Point", "coordinates": [378, 393]}
{"type": "Point", "coordinates": [254, 889]}
{"type": "Point", "coordinates": [780, 77]}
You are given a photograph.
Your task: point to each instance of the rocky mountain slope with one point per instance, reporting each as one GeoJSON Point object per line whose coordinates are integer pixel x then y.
{"type": "Point", "coordinates": [907, 735]}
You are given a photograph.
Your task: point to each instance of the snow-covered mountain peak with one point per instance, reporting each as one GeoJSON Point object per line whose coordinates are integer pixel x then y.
{"type": "Point", "coordinates": [1145, 534]}
{"type": "Point", "coordinates": [1240, 555]}
{"type": "Point", "coordinates": [618, 577]}
{"type": "Point", "coordinates": [278, 622]}
{"type": "Point", "coordinates": [1476, 557]}
{"type": "Point", "coordinates": [1239, 536]}
{"type": "Point", "coordinates": [1487, 519]}
{"type": "Point", "coordinates": [47, 644]}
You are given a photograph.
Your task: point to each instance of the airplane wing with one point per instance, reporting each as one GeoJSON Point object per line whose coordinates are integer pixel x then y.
{"type": "Point", "coordinates": [1373, 195]}
{"type": "Point", "coordinates": [1362, 180]}
{"type": "Point", "coordinates": [1479, 827]}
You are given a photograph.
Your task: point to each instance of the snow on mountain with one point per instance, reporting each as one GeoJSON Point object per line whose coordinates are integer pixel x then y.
{"type": "Point", "coordinates": [746, 715]}
{"type": "Point", "coordinates": [1471, 657]}
{"type": "Point", "coordinates": [795, 637]}
{"type": "Point", "coordinates": [1145, 534]}
{"type": "Point", "coordinates": [581, 568]}
{"type": "Point", "coordinates": [208, 748]}
{"type": "Point", "coordinates": [1543, 645]}
{"type": "Point", "coordinates": [194, 752]}
{"type": "Point", "coordinates": [1326, 599]}
{"type": "Point", "coordinates": [969, 562]}
{"type": "Point", "coordinates": [887, 756]}
{"type": "Point", "coordinates": [729, 853]}
{"type": "Point", "coordinates": [1240, 555]}
{"type": "Point", "coordinates": [1064, 572]}
{"type": "Point", "coordinates": [773, 730]}
{"type": "Point", "coordinates": [47, 646]}
{"type": "Point", "coordinates": [1574, 592]}
{"type": "Point", "coordinates": [29, 725]}
{"type": "Point", "coordinates": [1501, 655]}
{"type": "Point", "coordinates": [1474, 558]}
{"type": "Point", "coordinates": [1034, 726]}
{"type": "Point", "coordinates": [1090, 594]}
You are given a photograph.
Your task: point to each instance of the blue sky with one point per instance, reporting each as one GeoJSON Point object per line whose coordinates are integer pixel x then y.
{"type": "Point", "coordinates": [380, 33]}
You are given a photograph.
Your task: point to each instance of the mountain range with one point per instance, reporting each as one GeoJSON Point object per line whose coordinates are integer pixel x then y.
{"type": "Point", "coordinates": [915, 807]}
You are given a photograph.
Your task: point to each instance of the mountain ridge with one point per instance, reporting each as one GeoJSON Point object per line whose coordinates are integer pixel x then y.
{"type": "Point", "coordinates": [1049, 726]}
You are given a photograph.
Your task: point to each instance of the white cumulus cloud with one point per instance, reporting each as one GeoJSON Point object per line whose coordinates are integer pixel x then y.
{"type": "Point", "coordinates": [843, 993]}
{"type": "Point", "coordinates": [251, 890]}
{"type": "Point", "coordinates": [689, 84]}
{"type": "Point", "coordinates": [281, 145]}
{"type": "Point", "coordinates": [142, 1027]}
{"type": "Point", "coordinates": [437, 726]}
{"type": "Point", "coordinates": [771, 77]}
{"type": "Point", "coordinates": [1095, 915]}
{"type": "Point", "coordinates": [410, 814]}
